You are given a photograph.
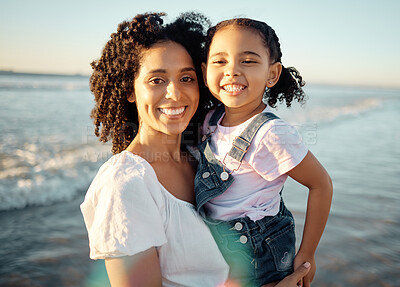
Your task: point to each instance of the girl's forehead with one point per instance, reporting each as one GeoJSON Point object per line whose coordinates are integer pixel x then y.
{"type": "Point", "coordinates": [234, 31]}
{"type": "Point", "coordinates": [234, 34]}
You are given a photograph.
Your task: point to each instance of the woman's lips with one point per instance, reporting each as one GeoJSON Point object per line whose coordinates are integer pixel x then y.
{"type": "Point", "coordinates": [173, 112]}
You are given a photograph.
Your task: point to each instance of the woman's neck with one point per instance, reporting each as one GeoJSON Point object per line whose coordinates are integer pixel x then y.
{"type": "Point", "coordinates": [156, 147]}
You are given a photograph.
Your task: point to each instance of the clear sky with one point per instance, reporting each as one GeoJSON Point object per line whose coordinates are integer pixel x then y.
{"type": "Point", "coordinates": [350, 42]}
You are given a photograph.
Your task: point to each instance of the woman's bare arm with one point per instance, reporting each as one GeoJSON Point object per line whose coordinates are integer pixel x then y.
{"type": "Point", "coordinates": [142, 269]}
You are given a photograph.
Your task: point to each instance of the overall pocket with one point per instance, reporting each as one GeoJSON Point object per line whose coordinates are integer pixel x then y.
{"type": "Point", "coordinates": [282, 245]}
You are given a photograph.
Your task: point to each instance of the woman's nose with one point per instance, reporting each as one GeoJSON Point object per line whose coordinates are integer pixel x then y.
{"type": "Point", "coordinates": [173, 91]}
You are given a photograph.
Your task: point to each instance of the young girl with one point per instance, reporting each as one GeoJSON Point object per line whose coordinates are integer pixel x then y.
{"type": "Point", "coordinates": [247, 154]}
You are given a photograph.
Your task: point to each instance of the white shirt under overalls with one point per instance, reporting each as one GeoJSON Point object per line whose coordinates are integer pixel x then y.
{"type": "Point", "coordinates": [127, 211]}
{"type": "Point", "coordinates": [276, 149]}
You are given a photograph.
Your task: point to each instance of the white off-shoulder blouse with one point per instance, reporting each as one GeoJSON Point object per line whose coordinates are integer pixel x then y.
{"type": "Point", "coordinates": [126, 211]}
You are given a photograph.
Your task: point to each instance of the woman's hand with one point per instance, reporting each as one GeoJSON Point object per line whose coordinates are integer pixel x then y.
{"type": "Point", "coordinates": [298, 261]}
{"type": "Point", "coordinates": [292, 279]}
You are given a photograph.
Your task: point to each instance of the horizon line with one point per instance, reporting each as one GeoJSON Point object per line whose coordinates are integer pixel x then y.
{"type": "Point", "coordinates": [56, 74]}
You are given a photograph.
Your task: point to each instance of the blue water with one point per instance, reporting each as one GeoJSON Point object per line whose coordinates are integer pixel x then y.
{"type": "Point", "coordinates": [49, 155]}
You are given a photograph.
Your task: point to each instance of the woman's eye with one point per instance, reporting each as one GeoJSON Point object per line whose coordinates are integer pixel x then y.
{"type": "Point", "coordinates": [218, 61]}
{"type": "Point", "coordinates": [156, 81]}
{"type": "Point", "coordinates": [187, 79]}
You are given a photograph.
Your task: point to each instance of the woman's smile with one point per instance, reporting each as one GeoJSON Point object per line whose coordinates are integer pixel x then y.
{"type": "Point", "coordinates": [173, 112]}
{"type": "Point", "coordinates": [166, 89]}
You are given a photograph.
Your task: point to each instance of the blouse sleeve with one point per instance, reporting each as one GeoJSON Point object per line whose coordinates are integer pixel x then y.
{"type": "Point", "coordinates": [280, 149]}
{"type": "Point", "coordinates": [122, 212]}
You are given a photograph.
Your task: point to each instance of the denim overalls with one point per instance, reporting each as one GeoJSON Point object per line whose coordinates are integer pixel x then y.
{"type": "Point", "coordinates": [257, 252]}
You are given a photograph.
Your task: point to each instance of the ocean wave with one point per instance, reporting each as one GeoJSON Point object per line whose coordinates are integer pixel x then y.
{"type": "Point", "coordinates": [33, 178]}
{"type": "Point", "coordinates": [329, 114]}
{"type": "Point", "coordinates": [322, 113]}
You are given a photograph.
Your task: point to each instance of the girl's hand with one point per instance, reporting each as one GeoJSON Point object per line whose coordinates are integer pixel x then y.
{"type": "Point", "coordinates": [308, 278]}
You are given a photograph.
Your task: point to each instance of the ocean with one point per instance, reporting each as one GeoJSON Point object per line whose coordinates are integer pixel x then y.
{"type": "Point", "coordinates": [49, 155]}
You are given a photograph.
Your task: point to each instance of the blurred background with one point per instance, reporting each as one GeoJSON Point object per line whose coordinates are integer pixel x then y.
{"type": "Point", "coordinates": [347, 52]}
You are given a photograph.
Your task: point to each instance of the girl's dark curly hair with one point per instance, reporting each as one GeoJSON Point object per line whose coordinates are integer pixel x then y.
{"type": "Point", "coordinates": [112, 80]}
{"type": "Point", "coordinates": [290, 83]}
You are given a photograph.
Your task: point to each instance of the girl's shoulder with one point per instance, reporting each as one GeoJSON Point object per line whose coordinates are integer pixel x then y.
{"type": "Point", "coordinates": [277, 131]}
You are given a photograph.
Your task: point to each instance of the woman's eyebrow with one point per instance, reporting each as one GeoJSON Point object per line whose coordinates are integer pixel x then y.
{"type": "Point", "coordinates": [158, 71]}
{"type": "Point", "coordinates": [164, 71]}
{"type": "Point", "coordinates": [188, 69]}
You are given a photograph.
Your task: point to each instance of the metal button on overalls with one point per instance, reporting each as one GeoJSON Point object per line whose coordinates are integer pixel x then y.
{"type": "Point", "coordinates": [205, 174]}
{"type": "Point", "coordinates": [243, 239]}
{"type": "Point", "coordinates": [224, 175]}
{"type": "Point", "coordinates": [238, 226]}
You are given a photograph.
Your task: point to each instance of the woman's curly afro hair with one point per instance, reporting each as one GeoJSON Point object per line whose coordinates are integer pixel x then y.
{"type": "Point", "coordinates": [290, 83]}
{"type": "Point", "coordinates": [112, 80]}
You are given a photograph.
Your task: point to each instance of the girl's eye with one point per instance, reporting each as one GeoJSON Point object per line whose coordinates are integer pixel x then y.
{"type": "Point", "coordinates": [156, 81]}
{"type": "Point", "coordinates": [187, 79]}
{"type": "Point", "coordinates": [248, 61]}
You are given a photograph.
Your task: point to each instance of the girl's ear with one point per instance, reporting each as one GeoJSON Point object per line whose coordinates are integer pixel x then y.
{"type": "Point", "coordinates": [204, 72]}
{"type": "Point", "coordinates": [132, 98]}
{"type": "Point", "coordinates": [275, 71]}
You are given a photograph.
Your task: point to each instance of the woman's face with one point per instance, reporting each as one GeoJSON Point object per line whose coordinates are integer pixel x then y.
{"type": "Point", "coordinates": [166, 89]}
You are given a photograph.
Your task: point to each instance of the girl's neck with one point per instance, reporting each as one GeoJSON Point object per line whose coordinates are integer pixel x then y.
{"type": "Point", "coordinates": [236, 116]}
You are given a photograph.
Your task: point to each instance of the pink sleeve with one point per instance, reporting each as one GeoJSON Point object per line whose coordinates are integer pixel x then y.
{"type": "Point", "coordinates": [279, 150]}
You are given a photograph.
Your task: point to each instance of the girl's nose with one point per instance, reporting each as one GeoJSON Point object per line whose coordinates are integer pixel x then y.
{"type": "Point", "coordinates": [173, 91]}
{"type": "Point", "coordinates": [232, 70]}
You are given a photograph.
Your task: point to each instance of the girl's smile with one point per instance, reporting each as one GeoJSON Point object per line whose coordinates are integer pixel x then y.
{"type": "Point", "coordinates": [238, 71]}
{"type": "Point", "coordinates": [234, 89]}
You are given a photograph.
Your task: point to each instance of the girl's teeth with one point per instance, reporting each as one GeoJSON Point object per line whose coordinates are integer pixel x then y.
{"type": "Point", "coordinates": [233, 88]}
{"type": "Point", "coordinates": [172, 112]}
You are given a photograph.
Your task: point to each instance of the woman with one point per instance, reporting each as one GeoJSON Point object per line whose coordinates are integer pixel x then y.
{"type": "Point", "coordinates": [139, 209]}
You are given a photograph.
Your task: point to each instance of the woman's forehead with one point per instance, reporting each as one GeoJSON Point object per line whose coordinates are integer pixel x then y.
{"type": "Point", "coordinates": [166, 55]}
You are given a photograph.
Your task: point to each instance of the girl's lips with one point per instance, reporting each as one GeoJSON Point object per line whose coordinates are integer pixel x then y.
{"type": "Point", "coordinates": [233, 88]}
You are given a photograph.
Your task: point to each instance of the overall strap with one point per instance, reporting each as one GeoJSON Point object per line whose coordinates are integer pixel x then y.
{"type": "Point", "coordinates": [242, 142]}
{"type": "Point", "coordinates": [216, 115]}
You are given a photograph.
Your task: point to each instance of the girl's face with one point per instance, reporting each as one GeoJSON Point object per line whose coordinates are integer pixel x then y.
{"type": "Point", "coordinates": [166, 89]}
{"type": "Point", "coordinates": [238, 68]}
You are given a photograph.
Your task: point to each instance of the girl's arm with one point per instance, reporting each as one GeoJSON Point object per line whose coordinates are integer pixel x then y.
{"type": "Point", "coordinates": [142, 269]}
{"type": "Point", "coordinates": [312, 174]}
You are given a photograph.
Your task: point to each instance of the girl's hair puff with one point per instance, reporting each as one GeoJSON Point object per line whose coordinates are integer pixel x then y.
{"type": "Point", "coordinates": [290, 83]}
{"type": "Point", "coordinates": [112, 80]}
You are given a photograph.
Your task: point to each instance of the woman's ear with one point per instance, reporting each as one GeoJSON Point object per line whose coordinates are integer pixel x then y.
{"type": "Point", "coordinates": [275, 71]}
{"type": "Point", "coordinates": [132, 98]}
{"type": "Point", "coordinates": [204, 72]}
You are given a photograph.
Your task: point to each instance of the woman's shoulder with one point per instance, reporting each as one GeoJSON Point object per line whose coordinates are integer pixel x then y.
{"type": "Point", "coordinates": [126, 165]}
{"type": "Point", "coordinates": [123, 172]}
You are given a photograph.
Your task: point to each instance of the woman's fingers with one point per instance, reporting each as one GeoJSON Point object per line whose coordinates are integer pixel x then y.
{"type": "Point", "coordinates": [296, 276]}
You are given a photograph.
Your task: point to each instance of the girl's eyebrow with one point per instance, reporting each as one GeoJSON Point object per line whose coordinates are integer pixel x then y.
{"type": "Point", "coordinates": [251, 53]}
{"type": "Point", "coordinates": [164, 71]}
{"type": "Point", "coordinates": [242, 53]}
